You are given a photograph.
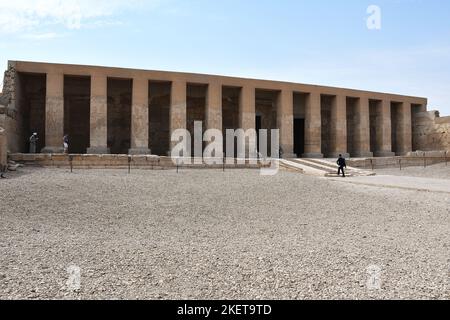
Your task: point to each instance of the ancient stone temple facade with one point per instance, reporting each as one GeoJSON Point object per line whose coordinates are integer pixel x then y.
{"type": "Point", "coordinates": [120, 111]}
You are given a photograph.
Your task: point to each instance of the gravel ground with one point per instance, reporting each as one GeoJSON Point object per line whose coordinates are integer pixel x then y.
{"type": "Point", "coordinates": [438, 171]}
{"type": "Point", "coordinates": [205, 234]}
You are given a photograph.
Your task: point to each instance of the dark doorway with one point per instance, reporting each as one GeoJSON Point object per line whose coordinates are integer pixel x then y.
{"type": "Point", "coordinates": [258, 124]}
{"type": "Point", "coordinates": [159, 118]}
{"type": "Point", "coordinates": [299, 137]}
{"type": "Point", "coordinates": [77, 92]}
{"type": "Point", "coordinates": [31, 103]}
{"type": "Point", "coordinates": [119, 115]}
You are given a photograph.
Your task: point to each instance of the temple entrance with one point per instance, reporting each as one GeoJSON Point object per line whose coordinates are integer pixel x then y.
{"type": "Point", "coordinates": [77, 93]}
{"type": "Point", "coordinates": [159, 118]}
{"type": "Point", "coordinates": [300, 100]}
{"type": "Point", "coordinates": [119, 115]}
{"type": "Point", "coordinates": [32, 105]}
{"type": "Point", "coordinates": [299, 137]}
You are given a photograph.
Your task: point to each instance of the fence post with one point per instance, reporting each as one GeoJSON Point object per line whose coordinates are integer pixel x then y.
{"type": "Point", "coordinates": [424, 160]}
{"type": "Point", "coordinates": [129, 164]}
{"type": "Point", "coordinates": [400, 163]}
{"type": "Point", "coordinates": [446, 152]}
{"type": "Point", "coordinates": [371, 163]}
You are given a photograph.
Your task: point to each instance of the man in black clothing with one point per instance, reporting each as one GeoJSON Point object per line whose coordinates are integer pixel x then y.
{"type": "Point", "coordinates": [341, 163]}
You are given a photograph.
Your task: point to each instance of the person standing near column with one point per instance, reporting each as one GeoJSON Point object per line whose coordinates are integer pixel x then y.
{"type": "Point", "coordinates": [33, 140]}
{"type": "Point", "coordinates": [66, 143]}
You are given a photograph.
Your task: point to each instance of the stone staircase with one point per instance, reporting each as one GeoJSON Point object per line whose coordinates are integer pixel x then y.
{"type": "Point", "coordinates": [325, 168]}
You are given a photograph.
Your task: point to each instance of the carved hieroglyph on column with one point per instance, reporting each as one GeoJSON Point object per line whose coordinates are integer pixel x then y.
{"type": "Point", "coordinates": [404, 132]}
{"type": "Point", "coordinates": [99, 114]}
{"type": "Point", "coordinates": [247, 119]}
{"type": "Point", "coordinates": [54, 113]}
{"type": "Point", "coordinates": [285, 122]}
{"type": "Point", "coordinates": [362, 130]}
{"type": "Point", "coordinates": [384, 130]}
{"type": "Point", "coordinates": [178, 107]}
{"type": "Point", "coordinates": [339, 126]}
{"type": "Point", "coordinates": [139, 117]}
{"type": "Point", "coordinates": [313, 126]}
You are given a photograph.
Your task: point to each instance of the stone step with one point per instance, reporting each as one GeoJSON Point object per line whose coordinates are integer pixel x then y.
{"type": "Point", "coordinates": [327, 168]}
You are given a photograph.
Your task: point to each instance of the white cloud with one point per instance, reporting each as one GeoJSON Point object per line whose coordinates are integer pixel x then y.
{"type": "Point", "coordinates": [25, 15]}
{"type": "Point", "coordinates": [42, 36]}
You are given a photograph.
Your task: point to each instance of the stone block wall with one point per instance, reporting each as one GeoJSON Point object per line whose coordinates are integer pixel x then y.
{"type": "Point", "coordinates": [9, 114]}
{"type": "Point", "coordinates": [431, 132]}
{"type": "Point", "coordinates": [3, 148]}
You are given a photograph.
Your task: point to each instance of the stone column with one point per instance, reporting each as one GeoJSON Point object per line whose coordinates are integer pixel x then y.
{"type": "Point", "coordinates": [384, 130]}
{"type": "Point", "coordinates": [99, 115]}
{"type": "Point", "coordinates": [54, 114]}
{"type": "Point", "coordinates": [178, 107]}
{"type": "Point", "coordinates": [247, 113]}
{"type": "Point", "coordinates": [362, 130]}
{"type": "Point", "coordinates": [214, 106]}
{"type": "Point", "coordinates": [313, 126]}
{"type": "Point", "coordinates": [285, 122]}
{"type": "Point", "coordinates": [139, 117]}
{"type": "Point", "coordinates": [339, 127]}
{"type": "Point", "coordinates": [247, 118]}
{"type": "Point", "coordinates": [404, 133]}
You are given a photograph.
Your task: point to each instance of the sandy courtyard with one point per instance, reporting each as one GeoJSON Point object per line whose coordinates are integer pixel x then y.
{"type": "Point", "coordinates": [206, 234]}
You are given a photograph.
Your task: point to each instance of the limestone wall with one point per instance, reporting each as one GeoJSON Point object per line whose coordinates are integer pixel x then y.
{"type": "Point", "coordinates": [3, 148]}
{"type": "Point", "coordinates": [10, 118]}
{"type": "Point", "coordinates": [431, 132]}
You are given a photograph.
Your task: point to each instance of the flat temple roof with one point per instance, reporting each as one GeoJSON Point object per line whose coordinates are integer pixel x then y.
{"type": "Point", "coordinates": [156, 75]}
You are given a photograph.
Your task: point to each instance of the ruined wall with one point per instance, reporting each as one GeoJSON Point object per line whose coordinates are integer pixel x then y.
{"type": "Point", "coordinates": [3, 148]}
{"type": "Point", "coordinates": [431, 132]}
{"type": "Point", "coordinates": [10, 119]}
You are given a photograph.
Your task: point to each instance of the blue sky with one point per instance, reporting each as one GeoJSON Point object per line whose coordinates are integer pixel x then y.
{"type": "Point", "coordinates": [318, 42]}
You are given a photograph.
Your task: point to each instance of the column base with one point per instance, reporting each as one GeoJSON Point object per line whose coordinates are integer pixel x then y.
{"type": "Point", "coordinates": [53, 150]}
{"type": "Point", "coordinates": [383, 154]}
{"type": "Point", "coordinates": [312, 155]}
{"type": "Point", "coordinates": [336, 155]}
{"type": "Point", "coordinates": [362, 154]}
{"type": "Point", "coordinates": [98, 150]}
{"type": "Point", "coordinates": [139, 151]}
{"type": "Point", "coordinates": [402, 153]}
{"type": "Point", "coordinates": [289, 156]}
